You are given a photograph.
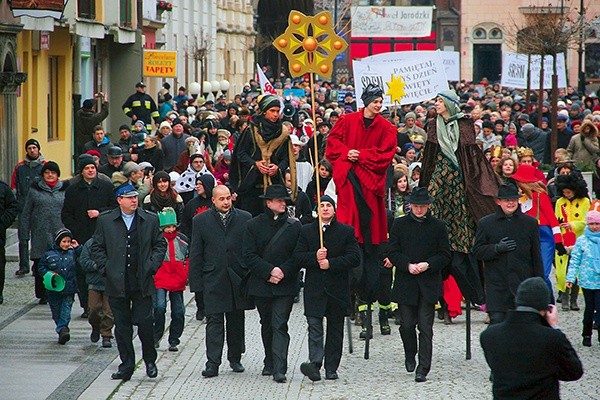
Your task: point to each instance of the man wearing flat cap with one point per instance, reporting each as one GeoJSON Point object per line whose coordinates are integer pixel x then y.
{"type": "Point", "coordinates": [360, 147]}
{"type": "Point", "coordinates": [268, 250]}
{"type": "Point", "coordinates": [326, 287]}
{"type": "Point", "coordinates": [115, 161]}
{"type": "Point", "coordinates": [508, 243]}
{"type": "Point", "coordinates": [527, 353]}
{"type": "Point", "coordinates": [261, 156]}
{"type": "Point", "coordinates": [128, 249]}
{"type": "Point", "coordinates": [419, 249]}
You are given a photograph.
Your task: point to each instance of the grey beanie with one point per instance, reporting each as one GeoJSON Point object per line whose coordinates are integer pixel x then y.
{"type": "Point", "coordinates": [534, 293]}
{"type": "Point", "coordinates": [528, 128]}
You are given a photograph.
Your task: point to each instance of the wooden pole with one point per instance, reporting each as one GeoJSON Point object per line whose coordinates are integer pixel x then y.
{"type": "Point", "coordinates": [316, 151]}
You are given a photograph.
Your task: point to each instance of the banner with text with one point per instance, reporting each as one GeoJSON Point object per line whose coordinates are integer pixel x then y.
{"type": "Point", "coordinates": [422, 72]}
{"type": "Point", "coordinates": [370, 21]}
{"type": "Point", "coordinates": [451, 60]}
{"type": "Point", "coordinates": [160, 63]}
{"type": "Point", "coordinates": [514, 71]}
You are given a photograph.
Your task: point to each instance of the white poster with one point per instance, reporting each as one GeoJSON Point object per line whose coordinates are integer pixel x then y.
{"type": "Point", "coordinates": [422, 72]}
{"type": "Point", "coordinates": [451, 60]}
{"type": "Point", "coordinates": [370, 21]}
{"type": "Point", "coordinates": [514, 71]}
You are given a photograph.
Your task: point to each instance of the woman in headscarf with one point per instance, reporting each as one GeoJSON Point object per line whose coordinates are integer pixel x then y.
{"type": "Point", "coordinates": [462, 183]}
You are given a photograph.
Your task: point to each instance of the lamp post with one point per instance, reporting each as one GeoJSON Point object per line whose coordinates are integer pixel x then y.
{"type": "Point", "coordinates": [206, 88]}
{"type": "Point", "coordinates": [580, 50]}
{"type": "Point", "coordinates": [224, 85]}
{"type": "Point", "coordinates": [194, 89]}
{"type": "Point", "coordinates": [215, 87]}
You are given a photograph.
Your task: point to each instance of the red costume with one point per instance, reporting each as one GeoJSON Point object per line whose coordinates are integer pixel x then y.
{"type": "Point", "coordinates": [377, 145]}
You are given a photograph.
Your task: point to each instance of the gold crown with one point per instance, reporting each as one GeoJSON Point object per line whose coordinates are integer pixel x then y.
{"type": "Point", "coordinates": [524, 152]}
{"type": "Point", "coordinates": [496, 151]}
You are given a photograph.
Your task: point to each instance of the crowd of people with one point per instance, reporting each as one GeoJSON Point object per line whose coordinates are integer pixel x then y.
{"type": "Point", "coordinates": [449, 203]}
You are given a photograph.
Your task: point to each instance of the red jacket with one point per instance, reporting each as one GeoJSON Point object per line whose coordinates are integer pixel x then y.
{"type": "Point", "coordinates": [377, 146]}
{"type": "Point", "coordinates": [173, 272]}
{"type": "Point", "coordinates": [540, 207]}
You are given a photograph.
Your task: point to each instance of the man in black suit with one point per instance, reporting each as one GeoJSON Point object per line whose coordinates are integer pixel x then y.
{"type": "Point", "coordinates": [419, 249]}
{"type": "Point", "coordinates": [268, 248]}
{"type": "Point", "coordinates": [527, 353]}
{"type": "Point", "coordinates": [128, 249]}
{"type": "Point", "coordinates": [326, 287]}
{"type": "Point", "coordinates": [216, 271]}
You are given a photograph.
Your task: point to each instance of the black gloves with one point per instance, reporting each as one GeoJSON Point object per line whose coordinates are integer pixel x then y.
{"type": "Point", "coordinates": [505, 245]}
{"type": "Point", "coordinates": [560, 249]}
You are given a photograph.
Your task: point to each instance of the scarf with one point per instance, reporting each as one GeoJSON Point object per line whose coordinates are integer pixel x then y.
{"type": "Point", "coordinates": [224, 217]}
{"type": "Point", "coordinates": [594, 238]}
{"type": "Point", "coordinates": [34, 163]}
{"type": "Point", "coordinates": [269, 130]}
{"type": "Point", "coordinates": [160, 201]}
{"type": "Point", "coordinates": [447, 130]}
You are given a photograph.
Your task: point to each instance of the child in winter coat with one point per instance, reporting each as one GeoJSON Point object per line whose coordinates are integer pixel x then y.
{"type": "Point", "coordinates": [171, 278]}
{"type": "Point", "coordinates": [60, 260]}
{"type": "Point", "coordinates": [585, 268]}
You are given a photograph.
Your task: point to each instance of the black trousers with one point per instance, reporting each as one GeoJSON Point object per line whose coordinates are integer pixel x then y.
{"type": "Point", "coordinates": [217, 330]}
{"type": "Point", "coordinates": [420, 316]}
{"type": "Point", "coordinates": [332, 351]}
{"type": "Point", "coordinates": [82, 287]}
{"type": "Point", "coordinates": [38, 281]}
{"type": "Point", "coordinates": [2, 261]}
{"type": "Point", "coordinates": [133, 309]}
{"type": "Point", "coordinates": [274, 315]}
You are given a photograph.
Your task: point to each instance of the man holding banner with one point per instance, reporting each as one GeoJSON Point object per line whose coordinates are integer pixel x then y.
{"type": "Point", "coordinates": [360, 147]}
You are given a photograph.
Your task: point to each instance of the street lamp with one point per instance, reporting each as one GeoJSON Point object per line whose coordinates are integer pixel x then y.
{"type": "Point", "coordinates": [224, 84]}
{"type": "Point", "coordinates": [195, 89]}
{"type": "Point", "coordinates": [215, 87]}
{"type": "Point", "coordinates": [206, 88]}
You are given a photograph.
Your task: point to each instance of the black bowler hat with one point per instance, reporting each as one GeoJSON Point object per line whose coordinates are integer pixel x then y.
{"type": "Point", "coordinates": [508, 192]}
{"type": "Point", "coordinates": [275, 192]}
{"type": "Point", "coordinates": [419, 196]}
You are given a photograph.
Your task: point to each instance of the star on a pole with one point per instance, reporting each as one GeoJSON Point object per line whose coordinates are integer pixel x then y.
{"type": "Point", "coordinates": [310, 44]}
{"type": "Point", "coordinates": [396, 88]}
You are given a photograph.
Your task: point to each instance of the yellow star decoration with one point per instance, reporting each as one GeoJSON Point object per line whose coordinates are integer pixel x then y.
{"type": "Point", "coordinates": [310, 44]}
{"type": "Point", "coordinates": [396, 88]}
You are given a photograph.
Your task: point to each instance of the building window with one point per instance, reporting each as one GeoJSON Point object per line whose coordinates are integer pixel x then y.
{"type": "Point", "coordinates": [126, 13]}
{"type": "Point", "coordinates": [86, 9]}
{"type": "Point", "coordinates": [592, 60]}
{"type": "Point", "coordinates": [53, 94]}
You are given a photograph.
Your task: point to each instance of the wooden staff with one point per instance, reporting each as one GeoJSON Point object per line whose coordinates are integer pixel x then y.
{"type": "Point", "coordinates": [316, 149]}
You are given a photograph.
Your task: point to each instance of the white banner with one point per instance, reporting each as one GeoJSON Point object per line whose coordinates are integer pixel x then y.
{"type": "Point", "coordinates": [370, 21]}
{"type": "Point", "coordinates": [422, 71]}
{"type": "Point", "coordinates": [451, 60]}
{"type": "Point", "coordinates": [514, 71]}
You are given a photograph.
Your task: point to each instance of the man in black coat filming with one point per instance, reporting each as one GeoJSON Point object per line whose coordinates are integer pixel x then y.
{"type": "Point", "coordinates": [268, 249]}
{"type": "Point", "coordinates": [419, 249]}
{"type": "Point", "coordinates": [326, 287]}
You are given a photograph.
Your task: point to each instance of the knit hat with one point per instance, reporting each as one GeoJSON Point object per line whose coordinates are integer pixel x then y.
{"type": "Point", "coordinates": [160, 175]}
{"type": "Point", "coordinates": [85, 160]}
{"type": "Point", "coordinates": [528, 128]}
{"type": "Point", "coordinates": [410, 115]}
{"type": "Point", "coordinates": [124, 127]}
{"type": "Point", "coordinates": [61, 234]}
{"type": "Point", "coordinates": [268, 101]}
{"type": "Point", "coordinates": [371, 93]}
{"type": "Point", "coordinates": [227, 155]}
{"type": "Point", "coordinates": [534, 293]}
{"type": "Point", "coordinates": [88, 104]}
{"type": "Point", "coordinates": [32, 142]}
{"type": "Point", "coordinates": [51, 166]}
{"type": "Point", "coordinates": [592, 217]}
{"type": "Point", "coordinates": [164, 124]}
{"type": "Point", "coordinates": [328, 199]}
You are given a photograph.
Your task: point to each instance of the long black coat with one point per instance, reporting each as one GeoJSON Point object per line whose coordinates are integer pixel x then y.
{"type": "Point", "coordinates": [259, 231]}
{"type": "Point", "coordinates": [343, 253]}
{"type": "Point", "coordinates": [504, 272]}
{"type": "Point", "coordinates": [412, 241]}
{"type": "Point", "coordinates": [109, 251]}
{"type": "Point", "coordinates": [528, 358]}
{"type": "Point", "coordinates": [80, 197]}
{"type": "Point", "coordinates": [216, 264]}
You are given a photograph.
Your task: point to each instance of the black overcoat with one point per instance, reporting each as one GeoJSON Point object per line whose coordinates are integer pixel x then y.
{"type": "Point", "coordinates": [109, 250]}
{"type": "Point", "coordinates": [412, 241]}
{"type": "Point", "coordinates": [504, 272]}
{"type": "Point", "coordinates": [259, 231]}
{"type": "Point", "coordinates": [528, 358]}
{"type": "Point", "coordinates": [343, 253]}
{"type": "Point", "coordinates": [216, 263]}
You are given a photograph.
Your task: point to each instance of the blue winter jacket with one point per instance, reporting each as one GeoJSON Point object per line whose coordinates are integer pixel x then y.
{"type": "Point", "coordinates": [585, 262]}
{"type": "Point", "coordinates": [62, 262]}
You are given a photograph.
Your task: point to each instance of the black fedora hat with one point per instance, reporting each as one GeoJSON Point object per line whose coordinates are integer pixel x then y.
{"type": "Point", "coordinates": [419, 196]}
{"type": "Point", "coordinates": [275, 192]}
{"type": "Point", "coordinates": [508, 192]}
